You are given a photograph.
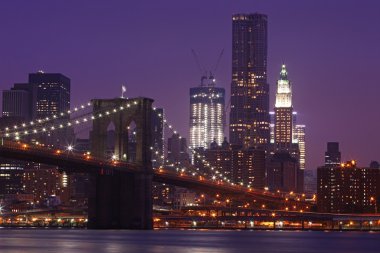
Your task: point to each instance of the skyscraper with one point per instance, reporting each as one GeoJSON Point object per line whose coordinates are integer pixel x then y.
{"type": "Point", "coordinates": [288, 138]}
{"type": "Point", "coordinates": [332, 155]}
{"type": "Point", "coordinates": [283, 129]}
{"type": "Point", "coordinates": [299, 137]}
{"type": "Point", "coordinates": [52, 98]}
{"type": "Point", "coordinates": [249, 115]}
{"type": "Point", "coordinates": [53, 93]}
{"type": "Point", "coordinates": [206, 114]}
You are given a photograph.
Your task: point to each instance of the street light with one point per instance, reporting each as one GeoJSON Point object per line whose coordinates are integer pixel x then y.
{"type": "Point", "coordinates": [373, 199]}
{"type": "Point", "coordinates": [70, 148]}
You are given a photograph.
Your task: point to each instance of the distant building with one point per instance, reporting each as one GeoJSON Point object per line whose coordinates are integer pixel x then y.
{"type": "Point", "coordinates": [20, 101]}
{"type": "Point", "coordinates": [249, 115]}
{"type": "Point", "coordinates": [332, 155]}
{"type": "Point", "coordinates": [284, 173]}
{"type": "Point", "coordinates": [53, 93]}
{"type": "Point", "coordinates": [346, 188]}
{"type": "Point", "coordinates": [240, 165]}
{"type": "Point", "coordinates": [299, 138]}
{"type": "Point", "coordinates": [206, 114]}
{"type": "Point", "coordinates": [310, 181]}
{"type": "Point", "coordinates": [283, 128]}
{"type": "Point", "coordinates": [287, 151]}
{"type": "Point", "coordinates": [177, 150]}
{"type": "Point", "coordinates": [158, 136]}
{"type": "Point", "coordinates": [45, 181]}
{"type": "Point", "coordinates": [16, 104]}
{"type": "Point", "coordinates": [11, 173]}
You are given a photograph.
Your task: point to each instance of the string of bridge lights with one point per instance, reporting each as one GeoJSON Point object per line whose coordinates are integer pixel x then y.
{"type": "Point", "coordinates": [32, 124]}
{"type": "Point", "coordinates": [75, 122]}
{"type": "Point", "coordinates": [22, 130]}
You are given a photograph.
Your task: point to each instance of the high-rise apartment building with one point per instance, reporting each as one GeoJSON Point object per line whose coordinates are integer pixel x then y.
{"type": "Point", "coordinates": [249, 115]}
{"type": "Point", "coordinates": [346, 188]}
{"type": "Point", "coordinates": [332, 155]}
{"type": "Point", "coordinates": [206, 114]}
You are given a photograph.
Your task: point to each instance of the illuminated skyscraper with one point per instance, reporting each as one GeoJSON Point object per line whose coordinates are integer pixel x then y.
{"type": "Point", "coordinates": [206, 114]}
{"type": "Point", "coordinates": [249, 115]}
{"type": "Point", "coordinates": [299, 137]}
{"type": "Point", "coordinates": [283, 129]}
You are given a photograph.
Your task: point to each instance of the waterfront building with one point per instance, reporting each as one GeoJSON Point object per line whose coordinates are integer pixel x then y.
{"type": "Point", "coordinates": [346, 188]}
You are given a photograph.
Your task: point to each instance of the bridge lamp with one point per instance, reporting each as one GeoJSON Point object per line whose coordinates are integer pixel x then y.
{"type": "Point", "coordinates": [1, 209]}
{"type": "Point", "coordinates": [113, 157]}
{"type": "Point", "coordinates": [70, 148]}
{"type": "Point", "coordinates": [194, 223]}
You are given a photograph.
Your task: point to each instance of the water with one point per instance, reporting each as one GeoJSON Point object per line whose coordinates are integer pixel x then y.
{"type": "Point", "coordinates": [184, 241]}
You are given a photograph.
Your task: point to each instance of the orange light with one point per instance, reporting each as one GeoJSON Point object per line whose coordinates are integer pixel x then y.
{"type": "Point", "coordinates": [58, 151]}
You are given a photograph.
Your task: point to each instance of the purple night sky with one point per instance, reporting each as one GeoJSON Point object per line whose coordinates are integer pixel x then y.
{"type": "Point", "coordinates": [331, 49]}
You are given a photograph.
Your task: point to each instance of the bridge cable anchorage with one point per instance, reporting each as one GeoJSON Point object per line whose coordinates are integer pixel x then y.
{"type": "Point", "coordinates": [81, 119]}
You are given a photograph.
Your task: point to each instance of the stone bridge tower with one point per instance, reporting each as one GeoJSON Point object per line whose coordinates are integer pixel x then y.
{"type": "Point", "coordinates": [120, 199]}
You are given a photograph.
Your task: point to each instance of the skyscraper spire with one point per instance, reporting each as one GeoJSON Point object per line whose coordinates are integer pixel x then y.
{"type": "Point", "coordinates": [283, 73]}
{"type": "Point", "coordinates": [284, 90]}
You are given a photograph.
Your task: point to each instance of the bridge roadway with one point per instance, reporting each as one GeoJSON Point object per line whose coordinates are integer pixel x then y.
{"type": "Point", "coordinates": [74, 162]}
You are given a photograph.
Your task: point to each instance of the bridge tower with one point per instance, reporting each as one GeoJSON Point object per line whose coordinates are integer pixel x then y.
{"type": "Point", "coordinates": [117, 199]}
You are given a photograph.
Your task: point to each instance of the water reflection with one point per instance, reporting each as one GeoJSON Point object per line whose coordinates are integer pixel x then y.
{"type": "Point", "coordinates": [184, 241]}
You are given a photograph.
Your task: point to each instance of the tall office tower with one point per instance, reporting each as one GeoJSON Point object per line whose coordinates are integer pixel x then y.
{"type": "Point", "coordinates": [206, 114]}
{"type": "Point", "coordinates": [177, 150]}
{"type": "Point", "coordinates": [53, 98]}
{"type": "Point", "coordinates": [332, 155]}
{"type": "Point", "coordinates": [283, 129]}
{"type": "Point", "coordinates": [299, 137]}
{"type": "Point", "coordinates": [53, 93]}
{"type": "Point", "coordinates": [249, 115]}
{"type": "Point", "coordinates": [158, 136]}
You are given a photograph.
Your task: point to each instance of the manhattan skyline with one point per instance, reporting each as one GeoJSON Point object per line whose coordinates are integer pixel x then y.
{"type": "Point", "coordinates": [330, 50]}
